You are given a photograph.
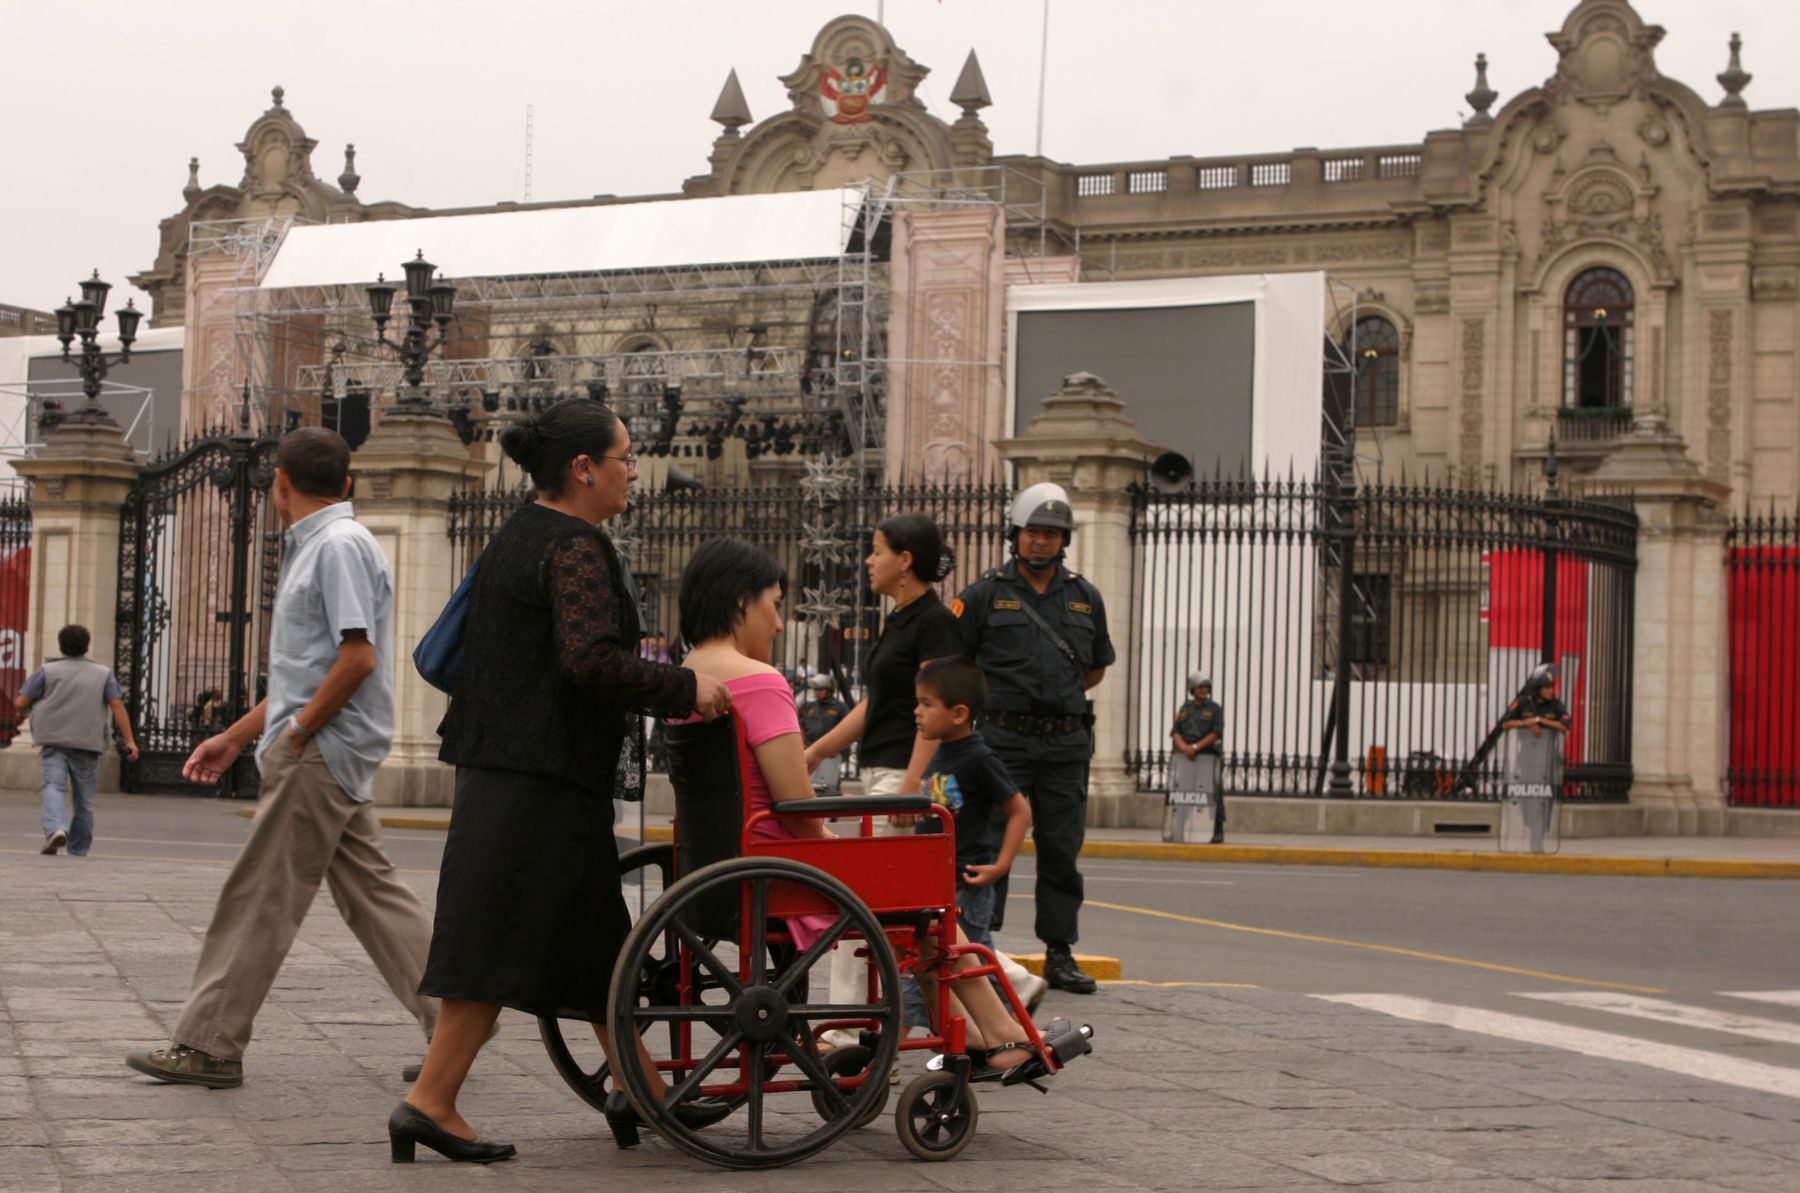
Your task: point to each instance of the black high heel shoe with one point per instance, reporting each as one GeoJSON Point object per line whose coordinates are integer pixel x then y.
{"type": "Point", "coordinates": [623, 1118]}
{"type": "Point", "coordinates": [409, 1125]}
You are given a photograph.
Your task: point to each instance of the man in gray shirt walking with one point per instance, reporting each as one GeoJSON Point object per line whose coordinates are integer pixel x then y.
{"type": "Point", "coordinates": [324, 727]}
{"type": "Point", "coordinates": [69, 699]}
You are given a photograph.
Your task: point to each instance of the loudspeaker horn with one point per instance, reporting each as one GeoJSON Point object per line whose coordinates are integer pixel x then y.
{"type": "Point", "coordinates": [1171, 472]}
{"type": "Point", "coordinates": [677, 481]}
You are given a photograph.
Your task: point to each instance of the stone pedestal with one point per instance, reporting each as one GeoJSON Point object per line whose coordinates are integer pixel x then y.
{"type": "Point", "coordinates": [1678, 697]}
{"type": "Point", "coordinates": [79, 482]}
{"type": "Point", "coordinates": [945, 337]}
{"type": "Point", "coordinates": [1085, 442]}
{"type": "Point", "coordinates": [406, 473]}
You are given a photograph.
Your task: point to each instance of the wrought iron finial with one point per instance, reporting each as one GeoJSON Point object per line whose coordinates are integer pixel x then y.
{"type": "Point", "coordinates": [1734, 78]}
{"type": "Point", "coordinates": [1550, 491]}
{"type": "Point", "coordinates": [278, 93]}
{"type": "Point", "coordinates": [191, 191]}
{"type": "Point", "coordinates": [349, 178]}
{"type": "Point", "coordinates": [244, 407]}
{"type": "Point", "coordinates": [1482, 98]}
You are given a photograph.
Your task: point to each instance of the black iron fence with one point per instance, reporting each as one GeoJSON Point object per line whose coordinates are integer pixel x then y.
{"type": "Point", "coordinates": [818, 527]}
{"type": "Point", "coordinates": [1364, 641]}
{"type": "Point", "coordinates": [16, 661]}
{"type": "Point", "coordinates": [1762, 567]}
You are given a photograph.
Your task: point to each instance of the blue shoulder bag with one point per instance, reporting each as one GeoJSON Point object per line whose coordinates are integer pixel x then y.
{"type": "Point", "coordinates": [438, 656]}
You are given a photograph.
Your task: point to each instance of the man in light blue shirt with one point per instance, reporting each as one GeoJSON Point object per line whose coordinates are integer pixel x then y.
{"type": "Point", "coordinates": [324, 727]}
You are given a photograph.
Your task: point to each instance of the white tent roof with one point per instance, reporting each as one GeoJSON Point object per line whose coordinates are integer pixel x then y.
{"type": "Point", "coordinates": [804, 226]}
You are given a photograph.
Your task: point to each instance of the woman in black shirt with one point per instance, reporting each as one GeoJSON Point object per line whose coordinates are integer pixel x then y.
{"type": "Point", "coordinates": [530, 914]}
{"type": "Point", "coordinates": [908, 556]}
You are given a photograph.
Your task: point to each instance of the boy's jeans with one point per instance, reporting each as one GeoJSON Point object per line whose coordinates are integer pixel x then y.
{"type": "Point", "coordinates": [975, 915]}
{"type": "Point", "coordinates": [70, 775]}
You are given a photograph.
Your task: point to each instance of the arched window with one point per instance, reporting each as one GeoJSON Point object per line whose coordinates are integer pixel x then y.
{"type": "Point", "coordinates": [1377, 372]}
{"type": "Point", "coordinates": [1598, 339]}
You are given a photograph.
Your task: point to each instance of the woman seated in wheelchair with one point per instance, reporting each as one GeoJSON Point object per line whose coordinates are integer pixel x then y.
{"type": "Point", "coordinates": [731, 611]}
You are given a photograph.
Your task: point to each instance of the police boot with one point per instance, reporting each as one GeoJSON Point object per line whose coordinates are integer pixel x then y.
{"type": "Point", "coordinates": [1062, 973]}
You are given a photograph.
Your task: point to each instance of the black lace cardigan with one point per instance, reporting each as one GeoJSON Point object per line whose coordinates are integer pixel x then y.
{"type": "Point", "coordinates": [551, 682]}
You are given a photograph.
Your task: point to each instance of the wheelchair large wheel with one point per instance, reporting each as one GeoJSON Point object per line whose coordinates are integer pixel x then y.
{"type": "Point", "coordinates": [573, 1049]}
{"type": "Point", "coordinates": [748, 1026]}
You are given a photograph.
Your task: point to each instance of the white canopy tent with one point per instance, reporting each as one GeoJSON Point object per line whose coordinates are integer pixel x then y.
{"type": "Point", "coordinates": [802, 226]}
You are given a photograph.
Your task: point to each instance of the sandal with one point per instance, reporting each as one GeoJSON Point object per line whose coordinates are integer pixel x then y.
{"type": "Point", "coordinates": [1032, 1068]}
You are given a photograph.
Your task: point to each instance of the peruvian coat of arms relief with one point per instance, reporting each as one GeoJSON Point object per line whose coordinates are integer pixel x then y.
{"type": "Point", "coordinates": [848, 94]}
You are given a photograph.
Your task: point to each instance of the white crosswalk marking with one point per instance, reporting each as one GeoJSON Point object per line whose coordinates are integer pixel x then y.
{"type": "Point", "coordinates": [1785, 998]}
{"type": "Point", "coordinates": [1690, 1062]}
{"type": "Point", "coordinates": [1673, 1012]}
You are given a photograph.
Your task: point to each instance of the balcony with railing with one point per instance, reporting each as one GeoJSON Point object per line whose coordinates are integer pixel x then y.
{"type": "Point", "coordinates": [1587, 425]}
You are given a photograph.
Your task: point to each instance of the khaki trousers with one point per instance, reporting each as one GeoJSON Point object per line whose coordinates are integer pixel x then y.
{"type": "Point", "coordinates": [307, 829]}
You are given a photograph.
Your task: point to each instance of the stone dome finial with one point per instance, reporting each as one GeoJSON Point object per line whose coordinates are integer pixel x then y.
{"type": "Point", "coordinates": [732, 110]}
{"type": "Point", "coordinates": [1734, 78]}
{"type": "Point", "coordinates": [277, 94]}
{"type": "Point", "coordinates": [191, 191]}
{"type": "Point", "coordinates": [1482, 98]}
{"type": "Point", "coordinates": [971, 90]}
{"type": "Point", "coordinates": [349, 178]}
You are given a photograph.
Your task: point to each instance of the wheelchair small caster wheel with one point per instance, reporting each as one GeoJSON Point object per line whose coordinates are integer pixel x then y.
{"type": "Point", "coordinates": [848, 1061]}
{"type": "Point", "coordinates": [936, 1115]}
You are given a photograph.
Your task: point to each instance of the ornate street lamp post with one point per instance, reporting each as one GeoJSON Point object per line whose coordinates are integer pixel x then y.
{"type": "Point", "coordinates": [429, 302]}
{"type": "Point", "coordinates": [82, 319]}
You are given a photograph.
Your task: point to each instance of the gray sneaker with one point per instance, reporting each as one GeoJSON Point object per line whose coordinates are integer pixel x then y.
{"type": "Point", "coordinates": [55, 841]}
{"type": "Point", "coordinates": [188, 1066]}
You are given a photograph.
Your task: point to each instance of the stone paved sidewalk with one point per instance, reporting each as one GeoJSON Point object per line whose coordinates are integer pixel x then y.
{"type": "Point", "coordinates": [1188, 1088]}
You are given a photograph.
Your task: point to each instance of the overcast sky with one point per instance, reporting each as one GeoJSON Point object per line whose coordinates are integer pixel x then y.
{"type": "Point", "coordinates": [105, 101]}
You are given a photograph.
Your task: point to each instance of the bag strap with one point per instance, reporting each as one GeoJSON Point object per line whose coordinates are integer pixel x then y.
{"type": "Point", "coordinates": [1061, 643]}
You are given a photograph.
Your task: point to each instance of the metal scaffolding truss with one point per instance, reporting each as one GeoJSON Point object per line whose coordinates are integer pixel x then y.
{"type": "Point", "coordinates": [727, 368]}
{"type": "Point", "coordinates": [849, 293]}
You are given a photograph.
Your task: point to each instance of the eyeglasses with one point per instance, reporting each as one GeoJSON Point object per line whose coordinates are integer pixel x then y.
{"type": "Point", "coordinates": [630, 459]}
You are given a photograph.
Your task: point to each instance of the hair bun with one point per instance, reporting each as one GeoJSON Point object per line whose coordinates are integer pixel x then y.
{"type": "Point", "coordinates": [946, 564]}
{"type": "Point", "coordinates": [524, 443]}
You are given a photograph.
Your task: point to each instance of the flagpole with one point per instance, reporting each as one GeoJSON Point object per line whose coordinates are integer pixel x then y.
{"type": "Point", "coordinates": [881, 13]}
{"type": "Point", "coordinates": [1043, 66]}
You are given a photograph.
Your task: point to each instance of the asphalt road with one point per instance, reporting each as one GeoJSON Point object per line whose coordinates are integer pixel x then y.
{"type": "Point", "coordinates": [1473, 938]}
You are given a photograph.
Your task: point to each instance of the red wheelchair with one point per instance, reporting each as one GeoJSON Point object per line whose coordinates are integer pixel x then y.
{"type": "Point", "coordinates": [713, 980]}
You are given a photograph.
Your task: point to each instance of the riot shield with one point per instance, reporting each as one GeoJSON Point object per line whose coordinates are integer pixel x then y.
{"type": "Point", "coordinates": [1532, 777]}
{"type": "Point", "coordinates": [1193, 785]}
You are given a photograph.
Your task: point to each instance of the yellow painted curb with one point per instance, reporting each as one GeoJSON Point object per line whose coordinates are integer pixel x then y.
{"type": "Point", "coordinates": [1302, 855]}
{"type": "Point", "coordinates": [1101, 969]}
{"type": "Point", "coordinates": [1424, 859]}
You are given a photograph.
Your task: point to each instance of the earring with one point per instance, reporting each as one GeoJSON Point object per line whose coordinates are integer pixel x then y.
{"type": "Point", "coordinates": [589, 480]}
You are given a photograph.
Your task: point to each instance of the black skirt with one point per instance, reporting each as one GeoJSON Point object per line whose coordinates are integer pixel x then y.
{"type": "Point", "coordinates": [530, 914]}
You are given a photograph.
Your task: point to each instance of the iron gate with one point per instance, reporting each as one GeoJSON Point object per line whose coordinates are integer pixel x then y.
{"type": "Point", "coordinates": [1762, 571]}
{"type": "Point", "coordinates": [1375, 633]}
{"type": "Point", "coordinates": [199, 557]}
{"type": "Point", "coordinates": [15, 602]}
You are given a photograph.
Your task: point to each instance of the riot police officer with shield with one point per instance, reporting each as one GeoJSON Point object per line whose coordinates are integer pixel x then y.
{"type": "Point", "coordinates": [1038, 632]}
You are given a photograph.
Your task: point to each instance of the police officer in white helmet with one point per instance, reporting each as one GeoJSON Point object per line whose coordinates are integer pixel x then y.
{"type": "Point", "coordinates": [1038, 632]}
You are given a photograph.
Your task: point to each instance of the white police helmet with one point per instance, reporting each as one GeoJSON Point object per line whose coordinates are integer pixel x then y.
{"type": "Point", "coordinates": [1042, 504]}
{"type": "Point", "coordinates": [1198, 679]}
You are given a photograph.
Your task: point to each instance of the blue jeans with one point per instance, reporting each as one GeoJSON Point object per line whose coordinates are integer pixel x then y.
{"type": "Point", "coordinates": [974, 915]}
{"type": "Point", "coordinates": [70, 775]}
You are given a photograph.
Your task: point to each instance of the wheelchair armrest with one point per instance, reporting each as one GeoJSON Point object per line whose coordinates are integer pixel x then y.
{"type": "Point", "coordinates": [852, 805]}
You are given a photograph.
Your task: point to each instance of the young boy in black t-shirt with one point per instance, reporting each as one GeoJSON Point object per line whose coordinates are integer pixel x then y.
{"type": "Point", "coordinates": [969, 781]}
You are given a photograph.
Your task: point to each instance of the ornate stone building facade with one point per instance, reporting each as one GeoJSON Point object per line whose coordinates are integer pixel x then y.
{"type": "Point", "coordinates": [1604, 246]}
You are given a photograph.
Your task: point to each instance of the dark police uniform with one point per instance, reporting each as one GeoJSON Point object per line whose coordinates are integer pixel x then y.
{"type": "Point", "coordinates": [819, 717]}
{"type": "Point", "coordinates": [1037, 717]}
{"type": "Point", "coordinates": [1196, 719]}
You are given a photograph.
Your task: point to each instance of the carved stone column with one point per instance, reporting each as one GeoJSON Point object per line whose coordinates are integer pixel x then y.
{"type": "Point", "coordinates": [211, 372]}
{"type": "Point", "coordinates": [1086, 442]}
{"type": "Point", "coordinates": [1678, 689]}
{"type": "Point", "coordinates": [947, 391]}
{"type": "Point", "coordinates": [80, 479]}
{"type": "Point", "coordinates": [406, 473]}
